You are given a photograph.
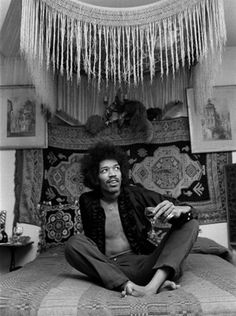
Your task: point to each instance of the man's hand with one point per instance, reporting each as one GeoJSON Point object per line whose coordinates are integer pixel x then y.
{"type": "Point", "coordinates": [166, 210]}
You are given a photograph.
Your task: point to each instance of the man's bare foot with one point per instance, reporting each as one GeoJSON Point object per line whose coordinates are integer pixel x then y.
{"type": "Point", "coordinates": [168, 286]}
{"type": "Point", "coordinates": [137, 290]}
{"type": "Point", "coordinates": [134, 290]}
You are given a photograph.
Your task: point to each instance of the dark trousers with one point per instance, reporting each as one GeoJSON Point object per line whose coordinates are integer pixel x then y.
{"type": "Point", "coordinates": [83, 254]}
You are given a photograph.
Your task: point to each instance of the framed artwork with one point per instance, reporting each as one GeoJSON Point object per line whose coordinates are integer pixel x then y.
{"type": "Point", "coordinates": [213, 124]}
{"type": "Point", "coordinates": [22, 123]}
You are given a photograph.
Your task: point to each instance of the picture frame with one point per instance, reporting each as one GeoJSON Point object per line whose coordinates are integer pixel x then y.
{"type": "Point", "coordinates": [213, 124]}
{"type": "Point", "coordinates": [22, 122]}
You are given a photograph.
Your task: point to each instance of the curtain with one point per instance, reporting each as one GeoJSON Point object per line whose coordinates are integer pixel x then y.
{"type": "Point", "coordinates": [84, 100]}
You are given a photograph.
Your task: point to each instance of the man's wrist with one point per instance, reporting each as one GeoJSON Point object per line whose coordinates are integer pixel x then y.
{"type": "Point", "coordinates": [186, 216]}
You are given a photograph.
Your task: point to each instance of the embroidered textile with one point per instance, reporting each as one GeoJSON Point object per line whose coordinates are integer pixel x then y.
{"type": "Point", "coordinates": [230, 175]}
{"type": "Point", "coordinates": [58, 223]}
{"type": "Point", "coordinates": [120, 44]}
{"type": "Point", "coordinates": [165, 165]}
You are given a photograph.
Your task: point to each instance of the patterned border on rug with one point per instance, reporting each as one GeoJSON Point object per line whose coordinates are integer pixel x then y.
{"type": "Point", "coordinates": [165, 131]}
{"type": "Point", "coordinates": [28, 185]}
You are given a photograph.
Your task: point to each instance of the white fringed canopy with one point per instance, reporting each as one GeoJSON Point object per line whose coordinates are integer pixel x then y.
{"type": "Point", "coordinates": [120, 45]}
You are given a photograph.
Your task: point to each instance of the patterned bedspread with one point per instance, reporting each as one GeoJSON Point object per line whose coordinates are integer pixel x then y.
{"type": "Point", "coordinates": [49, 286]}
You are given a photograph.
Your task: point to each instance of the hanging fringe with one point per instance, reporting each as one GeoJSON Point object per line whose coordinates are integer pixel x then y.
{"type": "Point", "coordinates": [119, 45]}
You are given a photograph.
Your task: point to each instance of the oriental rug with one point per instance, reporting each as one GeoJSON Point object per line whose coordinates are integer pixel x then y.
{"type": "Point", "coordinates": [230, 183]}
{"type": "Point", "coordinates": [165, 165]}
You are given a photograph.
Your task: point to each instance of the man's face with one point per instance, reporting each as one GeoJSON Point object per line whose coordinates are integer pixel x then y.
{"type": "Point", "coordinates": [109, 176]}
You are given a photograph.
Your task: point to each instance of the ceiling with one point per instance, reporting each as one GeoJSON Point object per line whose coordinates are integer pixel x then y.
{"type": "Point", "coordinates": [10, 20]}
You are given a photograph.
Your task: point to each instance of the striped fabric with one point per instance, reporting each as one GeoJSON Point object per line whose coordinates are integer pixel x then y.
{"type": "Point", "coordinates": [49, 286]}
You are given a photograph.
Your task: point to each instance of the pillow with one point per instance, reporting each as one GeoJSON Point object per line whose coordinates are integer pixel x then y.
{"type": "Point", "coordinates": [208, 246]}
{"type": "Point", "coordinates": [58, 224]}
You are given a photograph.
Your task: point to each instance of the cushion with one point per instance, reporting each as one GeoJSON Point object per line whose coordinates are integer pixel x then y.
{"type": "Point", "coordinates": [58, 224]}
{"type": "Point", "coordinates": [208, 246]}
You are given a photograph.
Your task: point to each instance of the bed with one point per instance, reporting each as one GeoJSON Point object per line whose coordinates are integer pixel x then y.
{"type": "Point", "coordinates": [49, 286]}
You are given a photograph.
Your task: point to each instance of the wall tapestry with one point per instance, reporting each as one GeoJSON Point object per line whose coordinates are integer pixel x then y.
{"type": "Point", "coordinates": [165, 165]}
{"type": "Point", "coordinates": [230, 183]}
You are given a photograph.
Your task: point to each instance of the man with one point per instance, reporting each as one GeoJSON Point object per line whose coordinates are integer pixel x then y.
{"type": "Point", "coordinates": [114, 249]}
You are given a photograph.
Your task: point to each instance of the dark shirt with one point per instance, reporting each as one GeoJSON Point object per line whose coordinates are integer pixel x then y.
{"type": "Point", "coordinates": [131, 204]}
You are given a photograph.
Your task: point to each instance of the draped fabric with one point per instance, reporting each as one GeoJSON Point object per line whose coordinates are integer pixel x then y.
{"type": "Point", "coordinates": [87, 52]}
{"type": "Point", "coordinates": [120, 44]}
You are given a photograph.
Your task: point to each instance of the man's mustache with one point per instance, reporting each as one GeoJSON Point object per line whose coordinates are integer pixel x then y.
{"type": "Point", "coordinates": [113, 179]}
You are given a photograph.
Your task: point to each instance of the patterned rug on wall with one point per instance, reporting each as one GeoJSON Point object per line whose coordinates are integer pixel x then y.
{"type": "Point", "coordinates": [230, 180]}
{"type": "Point", "coordinates": [166, 165]}
{"type": "Point", "coordinates": [63, 181]}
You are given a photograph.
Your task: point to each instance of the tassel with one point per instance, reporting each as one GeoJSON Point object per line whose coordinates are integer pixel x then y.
{"type": "Point", "coordinates": [171, 46]}
{"type": "Point", "coordinates": [78, 50]}
{"type": "Point", "coordinates": [94, 48]}
{"type": "Point", "coordinates": [123, 55]}
{"type": "Point", "coordinates": [89, 48]}
{"type": "Point", "coordinates": [128, 53]}
{"type": "Point", "coordinates": [160, 48]}
{"type": "Point", "coordinates": [54, 58]}
{"type": "Point", "coordinates": [134, 55]}
{"type": "Point", "coordinates": [166, 47]}
{"type": "Point", "coordinates": [99, 55]}
{"type": "Point", "coordinates": [119, 54]}
{"type": "Point", "coordinates": [106, 36]}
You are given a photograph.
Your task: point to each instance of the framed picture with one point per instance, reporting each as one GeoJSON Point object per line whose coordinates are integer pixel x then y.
{"type": "Point", "coordinates": [213, 124]}
{"type": "Point", "coordinates": [22, 123]}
